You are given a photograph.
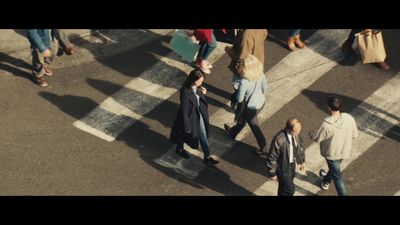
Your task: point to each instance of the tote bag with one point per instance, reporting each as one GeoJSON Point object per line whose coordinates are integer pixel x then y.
{"type": "Point", "coordinates": [371, 46]}
{"type": "Point", "coordinates": [184, 46]}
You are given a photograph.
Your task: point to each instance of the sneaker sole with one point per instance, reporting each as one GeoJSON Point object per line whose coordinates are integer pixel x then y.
{"type": "Point", "coordinates": [42, 85]}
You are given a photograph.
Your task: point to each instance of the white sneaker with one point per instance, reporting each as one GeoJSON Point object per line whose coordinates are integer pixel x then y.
{"type": "Point", "coordinates": [324, 185]}
{"type": "Point", "coordinates": [205, 70]}
{"type": "Point", "coordinates": [208, 64]}
{"type": "Point", "coordinates": [203, 67]}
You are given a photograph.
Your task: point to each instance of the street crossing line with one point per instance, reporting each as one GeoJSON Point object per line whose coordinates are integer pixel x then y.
{"type": "Point", "coordinates": [137, 98]}
{"type": "Point", "coordinates": [374, 117]}
{"type": "Point", "coordinates": [287, 79]}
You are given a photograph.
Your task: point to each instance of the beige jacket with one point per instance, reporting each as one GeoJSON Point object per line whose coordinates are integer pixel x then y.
{"type": "Point", "coordinates": [249, 41]}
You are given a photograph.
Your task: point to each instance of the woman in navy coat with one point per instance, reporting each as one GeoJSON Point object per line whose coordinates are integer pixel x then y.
{"type": "Point", "coordinates": [191, 124]}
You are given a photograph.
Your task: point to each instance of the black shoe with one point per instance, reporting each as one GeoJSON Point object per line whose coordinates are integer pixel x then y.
{"type": "Point", "coordinates": [60, 52]}
{"type": "Point", "coordinates": [228, 130]}
{"type": "Point", "coordinates": [183, 153]}
{"type": "Point", "coordinates": [210, 161]}
{"type": "Point", "coordinates": [233, 105]}
{"type": "Point", "coordinates": [260, 152]}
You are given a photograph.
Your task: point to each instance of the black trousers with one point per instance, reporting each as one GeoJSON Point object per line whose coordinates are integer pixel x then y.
{"type": "Point", "coordinates": [250, 116]}
{"type": "Point", "coordinates": [286, 185]}
{"type": "Point", "coordinates": [352, 37]}
{"type": "Point", "coordinates": [62, 38]}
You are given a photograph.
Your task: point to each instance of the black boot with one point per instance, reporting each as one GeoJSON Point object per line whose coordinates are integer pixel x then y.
{"type": "Point", "coordinates": [210, 161]}
{"type": "Point", "coordinates": [183, 153]}
{"type": "Point", "coordinates": [228, 131]}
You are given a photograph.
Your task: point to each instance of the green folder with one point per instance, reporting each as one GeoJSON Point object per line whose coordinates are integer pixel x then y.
{"type": "Point", "coordinates": [184, 46]}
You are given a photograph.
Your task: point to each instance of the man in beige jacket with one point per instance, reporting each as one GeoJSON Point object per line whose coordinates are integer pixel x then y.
{"type": "Point", "coordinates": [335, 137]}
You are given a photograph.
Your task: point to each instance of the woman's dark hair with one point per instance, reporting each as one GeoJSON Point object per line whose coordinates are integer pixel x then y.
{"type": "Point", "coordinates": [334, 103]}
{"type": "Point", "coordinates": [193, 76]}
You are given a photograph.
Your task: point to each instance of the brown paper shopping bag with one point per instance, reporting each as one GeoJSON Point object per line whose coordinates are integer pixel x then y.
{"type": "Point", "coordinates": [371, 46]}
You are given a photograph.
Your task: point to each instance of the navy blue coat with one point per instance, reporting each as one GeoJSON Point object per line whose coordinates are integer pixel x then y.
{"type": "Point", "coordinates": [188, 119]}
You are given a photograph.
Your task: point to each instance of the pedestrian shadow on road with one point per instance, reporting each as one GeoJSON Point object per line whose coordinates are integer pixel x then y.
{"type": "Point", "coordinates": [351, 105]}
{"type": "Point", "coordinates": [75, 106]}
{"type": "Point", "coordinates": [132, 60]}
{"type": "Point", "coordinates": [350, 59]}
{"type": "Point", "coordinates": [216, 179]}
{"type": "Point", "coordinates": [17, 67]}
{"type": "Point", "coordinates": [310, 177]}
{"type": "Point", "coordinates": [150, 107]}
{"type": "Point", "coordinates": [21, 32]}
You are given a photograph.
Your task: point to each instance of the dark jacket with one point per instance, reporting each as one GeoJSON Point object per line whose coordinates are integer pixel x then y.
{"type": "Point", "coordinates": [39, 38]}
{"type": "Point", "coordinates": [278, 156]}
{"type": "Point", "coordinates": [188, 119]}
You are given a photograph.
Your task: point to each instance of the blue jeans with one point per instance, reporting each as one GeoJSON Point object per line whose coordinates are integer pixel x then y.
{"type": "Point", "coordinates": [335, 175]}
{"type": "Point", "coordinates": [206, 48]}
{"type": "Point", "coordinates": [203, 138]}
{"type": "Point", "coordinates": [294, 32]}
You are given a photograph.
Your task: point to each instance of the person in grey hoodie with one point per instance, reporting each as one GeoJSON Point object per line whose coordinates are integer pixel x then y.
{"type": "Point", "coordinates": [335, 137]}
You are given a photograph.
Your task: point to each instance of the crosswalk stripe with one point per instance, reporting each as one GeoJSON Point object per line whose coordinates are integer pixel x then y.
{"type": "Point", "coordinates": [397, 193]}
{"type": "Point", "coordinates": [374, 118]}
{"type": "Point", "coordinates": [138, 97]}
{"type": "Point", "coordinates": [287, 79]}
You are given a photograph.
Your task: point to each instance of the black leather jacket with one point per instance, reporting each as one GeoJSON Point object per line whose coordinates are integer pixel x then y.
{"type": "Point", "coordinates": [278, 156]}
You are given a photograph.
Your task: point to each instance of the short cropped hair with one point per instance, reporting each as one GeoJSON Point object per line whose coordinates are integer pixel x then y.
{"type": "Point", "coordinates": [334, 103]}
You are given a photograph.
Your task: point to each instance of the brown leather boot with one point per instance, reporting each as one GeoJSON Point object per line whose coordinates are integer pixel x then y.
{"type": "Point", "coordinates": [69, 50]}
{"type": "Point", "coordinates": [383, 65]}
{"type": "Point", "coordinates": [290, 44]}
{"type": "Point", "coordinates": [298, 41]}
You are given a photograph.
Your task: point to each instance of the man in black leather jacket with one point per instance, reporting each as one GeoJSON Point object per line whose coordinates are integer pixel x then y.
{"type": "Point", "coordinates": [287, 149]}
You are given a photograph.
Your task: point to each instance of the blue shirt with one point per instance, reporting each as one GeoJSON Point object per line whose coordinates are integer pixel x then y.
{"type": "Point", "coordinates": [197, 96]}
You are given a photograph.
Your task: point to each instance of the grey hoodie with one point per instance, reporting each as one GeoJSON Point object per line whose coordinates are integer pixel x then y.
{"type": "Point", "coordinates": [335, 136]}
